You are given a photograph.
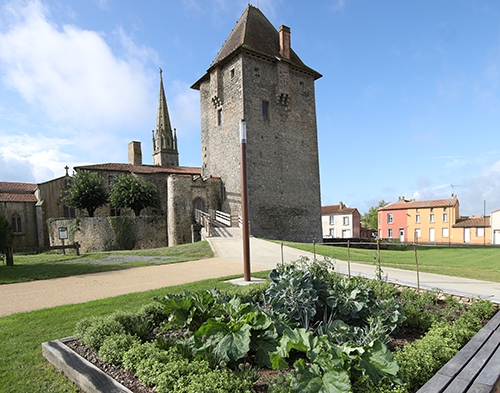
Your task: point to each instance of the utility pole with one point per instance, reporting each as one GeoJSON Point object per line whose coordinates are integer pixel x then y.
{"type": "Point", "coordinates": [244, 201]}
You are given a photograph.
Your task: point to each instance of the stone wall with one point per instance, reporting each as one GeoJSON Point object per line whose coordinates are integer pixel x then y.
{"type": "Point", "coordinates": [183, 190]}
{"type": "Point", "coordinates": [111, 233]}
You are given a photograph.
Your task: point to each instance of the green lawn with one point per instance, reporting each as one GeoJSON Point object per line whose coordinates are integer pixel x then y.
{"type": "Point", "coordinates": [482, 263]}
{"type": "Point", "coordinates": [54, 265]}
{"type": "Point", "coordinates": [22, 366]}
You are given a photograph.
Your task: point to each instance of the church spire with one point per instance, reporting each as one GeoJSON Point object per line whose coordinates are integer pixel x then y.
{"type": "Point", "coordinates": [164, 140]}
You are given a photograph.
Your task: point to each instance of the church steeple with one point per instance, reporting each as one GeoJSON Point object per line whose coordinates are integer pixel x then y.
{"type": "Point", "coordinates": [164, 140]}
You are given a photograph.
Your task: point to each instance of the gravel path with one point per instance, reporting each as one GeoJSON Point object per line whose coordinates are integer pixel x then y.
{"type": "Point", "coordinates": [36, 295]}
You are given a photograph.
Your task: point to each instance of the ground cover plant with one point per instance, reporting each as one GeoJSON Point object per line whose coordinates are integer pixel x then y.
{"type": "Point", "coordinates": [22, 367]}
{"type": "Point", "coordinates": [480, 263]}
{"type": "Point", "coordinates": [318, 331]}
{"type": "Point", "coordinates": [54, 265]}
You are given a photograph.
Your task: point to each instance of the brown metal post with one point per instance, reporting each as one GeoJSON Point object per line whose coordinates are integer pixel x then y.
{"type": "Point", "coordinates": [244, 202]}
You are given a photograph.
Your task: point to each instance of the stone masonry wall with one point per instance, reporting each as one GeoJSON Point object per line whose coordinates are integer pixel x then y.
{"type": "Point", "coordinates": [183, 191]}
{"type": "Point", "coordinates": [111, 233]}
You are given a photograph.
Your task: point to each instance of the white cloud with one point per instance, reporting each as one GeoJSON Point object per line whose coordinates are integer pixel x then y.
{"type": "Point", "coordinates": [13, 168]}
{"type": "Point", "coordinates": [32, 157]}
{"type": "Point", "coordinates": [185, 109]}
{"type": "Point", "coordinates": [471, 191]}
{"type": "Point", "coordinates": [70, 73]}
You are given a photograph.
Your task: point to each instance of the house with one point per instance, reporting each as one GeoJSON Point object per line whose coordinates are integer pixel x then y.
{"type": "Point", "coordinates": [495, 226]}
{"type": "Point", "coordinates": [340, 221]}
{"type": "Point", "coordinates": [435, 221]}
{"type": "Point", "coordinates": [474, 229]}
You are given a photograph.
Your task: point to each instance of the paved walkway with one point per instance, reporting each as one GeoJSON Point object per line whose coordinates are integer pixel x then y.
{"type": "Point", "coordinates": [264, 255]}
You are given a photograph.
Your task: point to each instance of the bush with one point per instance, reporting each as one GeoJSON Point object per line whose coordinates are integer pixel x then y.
{"type": "Point", "coordinates": [114, 347]}
{"type": "Point", "coordinates": [93, 331]}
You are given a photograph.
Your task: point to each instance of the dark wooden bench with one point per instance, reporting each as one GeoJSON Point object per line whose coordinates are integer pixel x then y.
{"type": "Point", "coordinates": [475, 369]}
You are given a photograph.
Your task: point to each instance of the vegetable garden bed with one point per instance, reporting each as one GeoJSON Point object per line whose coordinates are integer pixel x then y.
{"type": "Point", "coordinates": [309, 330]}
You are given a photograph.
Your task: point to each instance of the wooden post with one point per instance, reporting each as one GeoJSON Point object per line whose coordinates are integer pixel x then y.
{"type": "Point", "coordinates": [349, 257]}
{"type": "Point", "coordinates": [379, 268]}
{"type": "Point", "coordinates": [9, 257]}
{"type": "Point", "coordinates": [416, 263]}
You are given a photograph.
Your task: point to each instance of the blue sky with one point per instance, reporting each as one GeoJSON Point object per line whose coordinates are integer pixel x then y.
{"type": "Point", "coordinates": [409, 101]}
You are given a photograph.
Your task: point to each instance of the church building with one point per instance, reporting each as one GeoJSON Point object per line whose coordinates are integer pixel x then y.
{"type": "Point", "coordinates": [256, 76]}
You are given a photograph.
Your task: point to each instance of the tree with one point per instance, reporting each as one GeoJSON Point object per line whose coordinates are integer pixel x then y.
{"type": "Point", "coordinates": [6, 240]}
{"type": "Point", "coordinates": [87, 191]}
{"type": "Point", "coordinates": [370, 218]}
{"type": "Point", "coordinates": [130, 191]}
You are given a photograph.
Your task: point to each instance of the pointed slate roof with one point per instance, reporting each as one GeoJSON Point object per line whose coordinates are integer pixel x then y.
{"type": "Point", "coordinates": [254, 32]}
{"type": "Point", "coordinates": [163, 118]}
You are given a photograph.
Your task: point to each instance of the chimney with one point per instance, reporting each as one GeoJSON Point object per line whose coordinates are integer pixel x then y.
{"type": "Point", "coordinates": [285, 41]}
{"type": "Point", "coordinates": [134, 153]}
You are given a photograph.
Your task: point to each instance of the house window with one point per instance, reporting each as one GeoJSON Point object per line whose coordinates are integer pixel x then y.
{"type": "Point", "coordinates": [265, 109]}
{"type": "Point", "coordinates": [432, 209]}
{"type": "Point", "coordinates": [114, 211]}
{"type": "Point", "coordinates": [445, 217]}
{"type": "Point", "coordinates": [390, 218]}
{"type": "Point", "coordinates": [446, 232]}
{"type": "Point", "coordinates": [418, 233]}
{"type": "Point", "coordinates": [332, 232]}
{"type": "Point", "coordinates": [417, 218]}
{"type": "Point", "coordinates": [219, 117]}
{"type": "Point", "coordinates": [346, 233]}
{"type": "Point", "coordinates": [16, 223]}
{"type": "Point", "coordinates": [480, 232]}
{"type": "Point", "coordinates": [389, 233]}
{"type": "Point", "coordinates": [431, 218]}
{"type": "Point", "coordinates": [332, 220]}
{"type": "Point", "coordinates": [345, 220]}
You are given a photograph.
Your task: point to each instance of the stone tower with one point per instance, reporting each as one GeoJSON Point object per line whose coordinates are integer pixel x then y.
{"type": "Point", "coordinates": [164, 140]}
{"type": "Point", "coordinates": [256, 76]}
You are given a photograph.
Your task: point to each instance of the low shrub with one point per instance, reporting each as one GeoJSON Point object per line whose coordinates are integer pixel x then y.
{"type": "Point", "coordinates": [114, 347]}
{"type": "Point", "coordinates": [93, 331]}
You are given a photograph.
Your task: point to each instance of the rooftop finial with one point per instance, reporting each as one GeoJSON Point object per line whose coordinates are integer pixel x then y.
{"type": "Point", "coordinates": [161, 71]}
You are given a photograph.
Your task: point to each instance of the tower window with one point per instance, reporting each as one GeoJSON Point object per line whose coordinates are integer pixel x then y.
{"type": "Point", "coordinates": [265, 108]}
{"type": "Point", "coordinates": [219, 117]}
{"type": "Point", "coordinates": [232, 73]}
{"type": "Point", "coordinates": [256, 71]}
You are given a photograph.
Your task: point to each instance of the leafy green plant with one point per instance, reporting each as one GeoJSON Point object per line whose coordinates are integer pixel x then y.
{"type": "Point", "coordinates": [191, 308]}
{"type": "Point", "coordinates": [292, 293]}
{"type": "Point", "coordinates": [331, 367]}
{"type": "Point", "coordinates": [93, 331]}
{"type": "Point", "coordinates": [114, 347]}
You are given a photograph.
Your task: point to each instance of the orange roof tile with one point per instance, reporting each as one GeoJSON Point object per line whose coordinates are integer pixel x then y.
{"type": "Point", "coordinates": [336, 209]}
{"type": "Point", "coordinates": [17, 192]}
{"type": "Point", "coordinates": [145, 169]}
{"type": "Point", "coordinates": [472, 221]}
{"type": "Point", "coordinates": [404, 204]}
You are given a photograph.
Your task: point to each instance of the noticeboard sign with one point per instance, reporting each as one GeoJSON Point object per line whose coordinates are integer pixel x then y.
{"type": "Point", "coordinates": [63, 233]}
